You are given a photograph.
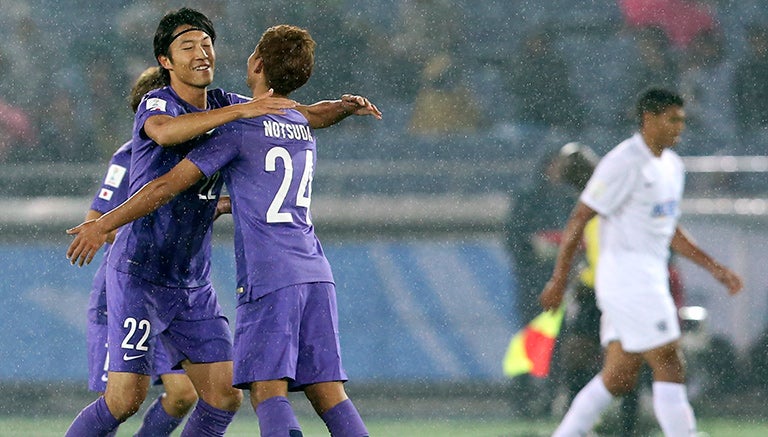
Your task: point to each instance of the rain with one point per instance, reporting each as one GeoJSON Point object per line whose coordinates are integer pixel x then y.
{"type": "Point", "coordinates": [441, 222]}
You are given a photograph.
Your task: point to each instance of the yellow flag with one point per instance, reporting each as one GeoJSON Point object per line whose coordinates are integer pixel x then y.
{"type": "Point", "coordinates": [530, 349]}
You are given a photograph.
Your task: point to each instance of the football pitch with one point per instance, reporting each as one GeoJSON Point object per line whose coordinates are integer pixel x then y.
{"type": "Point", "coordinates": [245, 425]}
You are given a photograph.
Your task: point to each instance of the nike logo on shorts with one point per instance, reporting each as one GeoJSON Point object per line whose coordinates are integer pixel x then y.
{"type": "Point", "coordinates": [127, 357]}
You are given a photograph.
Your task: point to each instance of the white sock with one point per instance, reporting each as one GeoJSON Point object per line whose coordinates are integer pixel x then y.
{"type": "Point", "coordinates": [674, 413]}
{"type": "Point", "coordinates": [586, 408]}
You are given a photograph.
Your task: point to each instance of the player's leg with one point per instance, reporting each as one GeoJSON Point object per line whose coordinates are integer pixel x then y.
{"type": "Point", "coordinates": [167, 411]}
{"type": "Point", "coordinates": [319, 370]}
{"type": "Point", "coordinates": [125, 393]}
{"type": "Point", "coordinates": [331, 403]}
{"type": "Point", "coordinates": [199, 338]}
{"type": "Point", "coordinates": [670, 397]}
{"type": "Point", "coordinates": [266, 351]}
{"type": "Point", "coordinates": [180, 395]}
{"type": "Point", "coordinates": [618, 375]}
{"type": "Point", "coordinates": [276, 416]}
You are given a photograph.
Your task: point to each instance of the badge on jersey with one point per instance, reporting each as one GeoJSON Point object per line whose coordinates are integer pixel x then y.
{"type": "Point", "coordinates": [105, 194]}
{"type": "Point", "coordinates": [155, 104]}
{"type": "Point", "coordinates": [115, 175]}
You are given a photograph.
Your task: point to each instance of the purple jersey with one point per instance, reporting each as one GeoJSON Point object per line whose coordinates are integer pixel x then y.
{"type": "Point", "coordinates": [113, 192]}
{"type": "Point", "coordinates": [267, 164]}
{"type": "Point", "coordinates": [171, 246]}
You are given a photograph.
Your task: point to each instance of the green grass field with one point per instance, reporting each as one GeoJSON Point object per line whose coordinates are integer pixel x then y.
{"type": "Point", "coordinates": [247, 426]}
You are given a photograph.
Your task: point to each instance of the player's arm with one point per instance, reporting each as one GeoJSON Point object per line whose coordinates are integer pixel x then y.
{"type": "Point", "coordinates": [166, 130]}
{"type": "Point", "coordinates": [92, 214]}
{"type": "Point", "coordinates": [683, 244]}
{"type": "Point", "coordinates": [552, 295]}
{"type": "Point", "coordinates": [328, 112]}
{"type": "Point", "coordinates": [91, 235]}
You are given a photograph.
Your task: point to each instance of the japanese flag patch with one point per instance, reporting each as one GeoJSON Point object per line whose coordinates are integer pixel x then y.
{"type": "Point", "coordinates": [115, 175]}
{"type": "Point", "coordinates": [155, 104]}
{"type": "Point", "coordinates": [105, 194]}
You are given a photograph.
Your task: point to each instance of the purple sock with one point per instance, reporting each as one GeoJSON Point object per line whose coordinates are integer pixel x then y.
{"type": "Point", "coordinates": [206, 420]}
{"type": "Point", "coordinates": [94, 420]}
{"type": "Point", "coordinates": [343, 420]}
{"type": "Point", "coordinates": [157, 422]}
{"type": "Point", "coordinates": [277, 419]}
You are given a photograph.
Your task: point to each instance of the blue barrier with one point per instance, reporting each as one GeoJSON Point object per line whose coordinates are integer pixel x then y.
{"type": "Point", "coordinates": [425, 310]}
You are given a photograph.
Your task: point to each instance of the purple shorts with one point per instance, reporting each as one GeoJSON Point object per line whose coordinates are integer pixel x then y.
{"type": "Point", "coordinates": [291, 333]}
{"type": "Point", "coordinates": [188, 321]}
{"type": "Point", "coordinates": [97, 359]}
{"type": "Point", "coordinates": [97, 356]}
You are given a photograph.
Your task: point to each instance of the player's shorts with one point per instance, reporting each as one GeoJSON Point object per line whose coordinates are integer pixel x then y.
{"type": "Point", "coordinates": [188, 321]}
{"type": "Point", "coordinates": [290, 333]}
{"type": "Point", "coordinates": [96, 338]}
{"type": "Point", "coordinates": [640, 321]}
{"type": "Point", "coordinates": [161, 364]}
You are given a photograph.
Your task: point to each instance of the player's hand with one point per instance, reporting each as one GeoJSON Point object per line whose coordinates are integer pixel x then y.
{"type": "Point", "coordinates": [552, 295]}
{"type": "Point", "coordinates": [266, 104]}
{"type": "Point", "coordinates": [88, 240]}
{"type": "Point", "coordinates": [359, 105]}
{"type": "Point", "coordinates": [729, 278]}
{"type": "Point", "coordinates": [223, 206]}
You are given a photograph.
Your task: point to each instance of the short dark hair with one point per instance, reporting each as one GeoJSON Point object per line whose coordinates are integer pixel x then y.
{"type": "Point", "coordinates": [150, 79]}
{"type": "Point", "coordinates": [164, 35]}
{"type": "Point", "coordinates": [288, 53]}
{"type": "Point", "coordinates": [657, 100]}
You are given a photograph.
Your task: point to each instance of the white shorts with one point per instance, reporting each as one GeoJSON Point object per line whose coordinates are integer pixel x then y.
{"type": "Point", "coordinates": [640, 321]}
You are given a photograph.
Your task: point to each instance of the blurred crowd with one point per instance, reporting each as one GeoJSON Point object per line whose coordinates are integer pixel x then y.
{"type": "Point", "coordinates": [499, 77]}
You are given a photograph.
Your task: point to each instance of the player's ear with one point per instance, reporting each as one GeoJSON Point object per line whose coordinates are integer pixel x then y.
{"type": "Point", "coordinates": [258, 66]}
{"type": "Point", "coordinates": [165, 62]}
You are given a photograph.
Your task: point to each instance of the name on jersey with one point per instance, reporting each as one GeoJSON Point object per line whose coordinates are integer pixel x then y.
{"type": "Point", "coordinates": [287, 130]}
{"type": "Point", "coordinates": [665, 209]}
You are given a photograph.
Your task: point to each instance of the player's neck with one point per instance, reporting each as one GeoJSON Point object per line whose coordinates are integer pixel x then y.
{"type": "Point", "coordinates": [195, 96]}
{"type": "Point", "coordinates": [654, 146]}
{"type": "Point", "coordinates": [260, 89]}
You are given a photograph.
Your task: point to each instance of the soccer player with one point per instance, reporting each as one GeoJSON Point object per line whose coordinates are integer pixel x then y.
{"type": "Point", "coordinates": [286, 333]}
{"type": "Point", "coordinates": [167, 411]}
{"type": "Point", "coordinates": [636, 189]}
{"type": "Point", "coordinates": [159, 267]}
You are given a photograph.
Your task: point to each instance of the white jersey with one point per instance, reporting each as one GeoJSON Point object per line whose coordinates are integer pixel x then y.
{"type": "Point", "coordinates": [638, 198]}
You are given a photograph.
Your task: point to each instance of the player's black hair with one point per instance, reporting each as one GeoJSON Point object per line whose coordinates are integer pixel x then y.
{"type": "Point", "coordinates": [657, 100]}
{"type": "Point", "coordinates": [578, 164]}
{"type": "Point", "coordinates": [164, 35]}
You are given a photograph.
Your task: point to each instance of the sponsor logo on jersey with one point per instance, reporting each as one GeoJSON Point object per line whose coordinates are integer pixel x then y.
{"type": "Point", "coordinates": [155, 104]}
{"type": "Point", "coordinates": [115, 175]}
{"type": "Point", "coordinates": [106, 194]}
{"type": "Point", "coordinates": [127, 357]}
{"type": "Point", "coordinates": [665, 209]}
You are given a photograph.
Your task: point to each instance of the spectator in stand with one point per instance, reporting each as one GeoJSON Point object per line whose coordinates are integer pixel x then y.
{"type": "Point", "coordinates": [16, 132]}
{"type": "Point", "coordinates": [706, 83]}
{"type": "Point", "coordinates": [544, 104]}
{"type": "Point", "coordinates": [444, 105]}
{"type": "Point", "coordinates": [750, 91]}
{"type": "Point", "coordinates": [656, 63]}
{"type": "Point", "coordinates": [681, 20]}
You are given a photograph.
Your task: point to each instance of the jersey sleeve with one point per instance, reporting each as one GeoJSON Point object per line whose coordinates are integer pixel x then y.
{"type": "Point", "coordinates": [154, 103]}
{"type": "Point", "coordinates": [218, 150]}
{"type": "Point", "coordinates": [115, 185]}
{"type": "Point", "coordinates": [610, 186]}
